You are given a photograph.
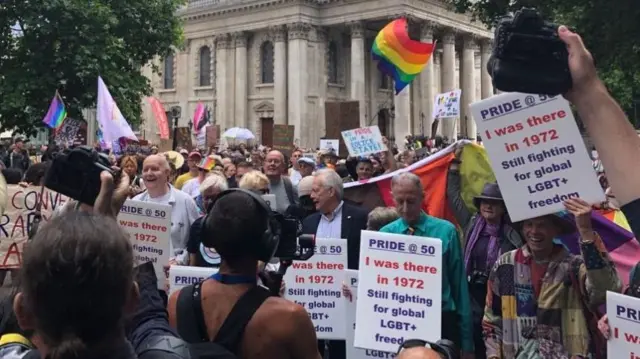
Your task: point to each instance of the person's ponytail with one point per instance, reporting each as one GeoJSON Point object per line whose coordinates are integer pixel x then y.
{"type": "Point", "coordinates": [71, 347]}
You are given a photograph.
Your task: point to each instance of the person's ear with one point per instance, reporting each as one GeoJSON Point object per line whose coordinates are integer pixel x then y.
{"type": "Point", "coordinates": [25, 317]}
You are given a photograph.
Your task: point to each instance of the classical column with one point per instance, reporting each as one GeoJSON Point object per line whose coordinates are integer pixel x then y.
{"type": "Point", "coordinates": [448, 72]}
{"type": "Point", "coordinates": [298, 77]}
{"type": "Point", "coordinates": [321, 39]}
{"type": "Point", "coordinates": [358, 68]}
{"type": "Point", "coordinates": [468, 85]}
{"type": "Point", "coordinates": [279, 35]}
{"type": "Point", "coordinates": [402, 116]}
{"type": "Point", "coordinates": [485, 79]}
{"type": "Point", "coordinates": [241, 85]}
{"type": "Point", "coordinates": [222, 105]}
{"type": "Point", "coordinates": [230, 82]}
{"type": "Point", "coordinates": [426, 81]}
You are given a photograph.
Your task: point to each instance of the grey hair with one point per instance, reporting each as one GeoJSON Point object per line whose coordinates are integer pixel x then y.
{"type": "Point", "coordinates": [407, 176]}
{"type": "Point", "coordinates": [330, 178]}
{"type": "Point", "coordinates": [216, 181]}
{"type": "Point", "coordinates": [380, 217]}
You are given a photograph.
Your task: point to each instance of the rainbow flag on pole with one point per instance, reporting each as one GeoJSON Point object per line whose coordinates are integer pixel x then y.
{"type": "Point", "coordinates": [57, 112]}
{"type": "Point", "coordinates": [398, 56]}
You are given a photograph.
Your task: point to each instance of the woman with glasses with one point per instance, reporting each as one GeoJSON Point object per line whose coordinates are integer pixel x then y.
{"type": "Point", "coordinates": [255, 181]}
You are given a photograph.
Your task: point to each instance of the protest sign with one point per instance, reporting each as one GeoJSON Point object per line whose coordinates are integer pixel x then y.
{"type": "Point", "coordinates": [316, 285]}
{"type": "Point", "coordinates": [624, 320]}
{"type": "Point", "coordinates": [149, 228]}
{"type": "Point", "coordinates": [283, 138]}
{"type": "Point", "coordinates": [536, 152]}
{"type": "Point", "coordinates": [330, 145]}
{"type": "Point", "coordinates": [399, 290]}
{"type": "Point", "coordinates": [19, 216]}
{"type": "Point", "coordinates": [212, 135]}
{"type": "Point", "coordinates": [271, 200]}
{"type": "Point", "coordinates": [447, 105]}
{"type": "Point", "coordinates": [182, 276]}
{"type": "Point", "coordinates": [363, 141]}
{"type": "Point", "coordinates": [351, 279]}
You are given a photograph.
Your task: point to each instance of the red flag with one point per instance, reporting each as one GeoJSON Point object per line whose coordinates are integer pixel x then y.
{"type": "Point", "coordinates": [161, 117]}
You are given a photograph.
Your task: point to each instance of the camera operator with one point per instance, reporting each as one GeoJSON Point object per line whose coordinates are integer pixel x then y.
{"type": "Point", "coordinates": [235, 313]}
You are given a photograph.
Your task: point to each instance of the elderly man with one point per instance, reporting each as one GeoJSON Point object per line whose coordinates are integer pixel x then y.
{"type": "Point", "coordinates": [408, 195]}
{"type": "Point", "coordinates": [335, 219]}
{"type": "Point", "coordinates": [279, 185]}
{"type": "Point", "coordinates": [540, 296]}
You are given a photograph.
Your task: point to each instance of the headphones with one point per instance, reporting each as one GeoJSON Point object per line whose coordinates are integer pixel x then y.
{"type": "Point", "coordinates": [268, 241]}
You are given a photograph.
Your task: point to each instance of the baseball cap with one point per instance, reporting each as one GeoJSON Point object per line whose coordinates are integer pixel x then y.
{"type": "Point", "coordinates": [307, 161]}
{"type": "Point", "coordinates": [304, 186]}
{"type": "Point", "coordinates": [195, 154]}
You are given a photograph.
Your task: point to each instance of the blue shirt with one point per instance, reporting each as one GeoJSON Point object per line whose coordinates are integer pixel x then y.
{"type": "Point", "coordinates": [455, 292]}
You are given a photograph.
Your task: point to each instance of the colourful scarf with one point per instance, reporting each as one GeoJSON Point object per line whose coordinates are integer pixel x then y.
{"type": "Point", "coordinates": [481, 226]}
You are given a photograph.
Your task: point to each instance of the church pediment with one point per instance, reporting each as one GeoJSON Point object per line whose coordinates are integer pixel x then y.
{"type": "Point", "coordinates": [264, 106]}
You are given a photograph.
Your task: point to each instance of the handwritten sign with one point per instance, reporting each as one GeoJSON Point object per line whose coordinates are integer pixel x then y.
{"type": "Point", "coordinates": [536, 152]}
{"type": "Point", "coordinates": [149, 229]}
{"type": "Point", "coordinates": [624, 320]}
{"type": "Point", "coordinates": [283, 138]}
{"type": "Point", "coordinates": [351, 279]}
{"type": "Point", "coordinates": [330, 145]}
{"type": "Point", "coordinates": [447, 105]}
{"type": "Point", "coordinates": [317, 286]}
{"type": "Point", "coordinates": [18, 219]}
{"type": "Point", "coordinates": [182, 276]}
{"type": "Point", "coordinates": [363, 141]}
{"type": "Point", "coordinates": [271, 200]}
{"type": "Point", "coordinates": [399, 290]}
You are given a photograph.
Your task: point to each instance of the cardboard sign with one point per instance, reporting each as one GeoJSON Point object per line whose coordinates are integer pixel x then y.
{"type": "Point", "coordinates": [330, 145]}
{"type": "Point", "coordinates": [18, 219]}
{"type": "Point", "coordinates": [536, 152]}
{"type": "Point", "coordinates": [364, 141]}
{"type": "Point", "coordinates": [447, 105]}
{"type": "Point", "coordinates": [212, 135]}
{"type": "Point", "coordinates": [316, 285]}
{"type": "Point", "coordinates": [399, 290]}
{"type": "Point", "coordinates": [72, 131]}
{"type": "Point", "coordinates": [624, 322]}
{"type": "Point", "coordinates": [184, 138]}
{"type": "Point", "coordinates": [283, 136]}
{"type": "Point", "coordinates": [149, 228]}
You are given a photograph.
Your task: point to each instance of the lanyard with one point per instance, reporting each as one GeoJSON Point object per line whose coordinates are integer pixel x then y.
{"type": "Point", "coordinates": [234, 279]}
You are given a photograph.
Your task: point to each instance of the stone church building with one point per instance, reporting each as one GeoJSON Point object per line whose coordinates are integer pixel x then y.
{"type": "Point", "coordinates": [257, 63]}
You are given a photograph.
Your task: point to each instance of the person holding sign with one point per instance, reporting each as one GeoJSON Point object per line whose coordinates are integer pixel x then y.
{"type": "Point", "coordinates": [408, 195]}
{"type": "Point", "coordinates": [541, 296]}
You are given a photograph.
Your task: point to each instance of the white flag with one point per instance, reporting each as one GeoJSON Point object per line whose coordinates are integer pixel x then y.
{"type": "Point", "coordinates": [112, 123]}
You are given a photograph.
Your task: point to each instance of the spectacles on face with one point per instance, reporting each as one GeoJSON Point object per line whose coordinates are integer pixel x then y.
{"type": "Point", "coordinates": [264, 191]}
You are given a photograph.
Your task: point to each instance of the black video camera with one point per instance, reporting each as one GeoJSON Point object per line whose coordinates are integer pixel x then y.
{"type": "Point", "coordinates": [76, 173]}
{"type": "Point", "coordinates": [293, 246]}
{"type": "Point", "coordinates": [528, 56]}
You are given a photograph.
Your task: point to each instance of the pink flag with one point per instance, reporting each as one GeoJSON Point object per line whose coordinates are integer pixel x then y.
{"type": "Point", "coordinates": [198, 114]}
{"type": "Point", "coordinates": [161, 117]}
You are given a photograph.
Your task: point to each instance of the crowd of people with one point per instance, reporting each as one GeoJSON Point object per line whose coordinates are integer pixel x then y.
{"type": "Point", "coordinates": [509, 290]}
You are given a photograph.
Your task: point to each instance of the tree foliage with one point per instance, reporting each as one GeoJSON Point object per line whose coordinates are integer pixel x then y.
{"type": "Point", "coordinates": [610, 30]}
{"type": "Point", "coordinates": [64, 45]}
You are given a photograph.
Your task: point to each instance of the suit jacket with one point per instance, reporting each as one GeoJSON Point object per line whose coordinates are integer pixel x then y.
{"type": "Point", "coordinates": [354, 219]}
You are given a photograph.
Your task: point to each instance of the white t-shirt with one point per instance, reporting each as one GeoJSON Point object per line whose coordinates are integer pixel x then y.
{"type": "Point", "coordinates": [192, 187]}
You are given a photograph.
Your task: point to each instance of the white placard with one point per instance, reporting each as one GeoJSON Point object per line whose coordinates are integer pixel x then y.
{"type": "Point", "coordinates": [363, 141]}
{"type": "Point", "coordinates": [271, 200]}
{"type": "Point", "coordinates": [536, 152]}
{"type": "Point", "coordinates": [316, 285]}
{"type": "Point", "coordinates": [182, 276]}
{"type": "Point", "coordinates": [447, 105]}
{"type": "Point", "coordinates": [149, 229]}
{"type": "Point", "coordinates": [399, 290]}
{"type": "Point", "coordinates": [351, 279]}
{"type": "Point", "coordinates": [624, 320]}
{"type": "Point", "coordinates": [330, 145]}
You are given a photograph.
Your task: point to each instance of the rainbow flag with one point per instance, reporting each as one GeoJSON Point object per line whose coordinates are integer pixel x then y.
{"type": "Point", "coordinates": [56, 114]}
{"type": "Point", "coordinates": [398, 56]}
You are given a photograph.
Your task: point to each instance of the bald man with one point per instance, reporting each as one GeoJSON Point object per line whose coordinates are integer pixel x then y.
{"type": "Point", "coordinates": [279, 185]}
{"type": "Point", "coordinates": [418, 353]}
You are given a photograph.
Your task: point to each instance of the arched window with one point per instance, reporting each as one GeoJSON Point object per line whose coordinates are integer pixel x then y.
{"type": "Point", "coordinates": [333, 63]}
{"type": "Point", "coordinates": [385, 81]}
{"type": "Point", "coordinates": [167, 74]}
{"type": "Point", "coordinates": [266, 63]}
{"type": "Point", "coordinates": [205, 66]}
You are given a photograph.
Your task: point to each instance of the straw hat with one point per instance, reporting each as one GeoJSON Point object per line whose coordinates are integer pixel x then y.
{"type": "Point", "coordinates": [176, 159]}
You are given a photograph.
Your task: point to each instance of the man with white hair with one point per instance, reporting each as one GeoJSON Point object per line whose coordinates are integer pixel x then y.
{"type": "Point", "coordinates": [335, 219]}
{"type": "Point", "coordinates": [408, 195]}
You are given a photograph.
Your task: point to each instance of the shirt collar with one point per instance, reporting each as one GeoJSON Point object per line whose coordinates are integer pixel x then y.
{"type": "Point", "coordinates": [336, 212]}
{"type": "Point", "coordinates": [420, 226]}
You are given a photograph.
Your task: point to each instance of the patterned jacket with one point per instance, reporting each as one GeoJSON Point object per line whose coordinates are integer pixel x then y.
{"type": "Point", "coordinates": [516, 325]}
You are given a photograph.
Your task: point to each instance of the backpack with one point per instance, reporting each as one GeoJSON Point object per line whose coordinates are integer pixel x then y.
{"type": "Point", "coordinates": [192, 327]}
{"type": "Point", "coordinates": [288, 188]}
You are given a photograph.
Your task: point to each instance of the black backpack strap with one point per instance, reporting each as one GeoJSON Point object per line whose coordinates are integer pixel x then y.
{"type": "Point", "coordinates": [288, 188]}
{"type": "Point", "coordinates": [232, 330]}
{"type": "Point", "coordinates": [189, 311]}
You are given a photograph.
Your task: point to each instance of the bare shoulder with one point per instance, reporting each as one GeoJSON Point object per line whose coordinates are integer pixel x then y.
{"type": "Point", "coordinates": [279, 307]}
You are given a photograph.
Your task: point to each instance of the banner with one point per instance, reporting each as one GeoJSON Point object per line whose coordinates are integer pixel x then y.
{"type": "Point", "coordinates": [18, 219]}
{"type": "Point", "coordinates": [161, 117]}
{"type": "Point", "coordinates": [447, 105]}
{"type": "Point", "coordinates": [363, 141]}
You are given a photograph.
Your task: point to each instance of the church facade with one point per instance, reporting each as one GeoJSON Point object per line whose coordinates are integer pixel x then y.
{"type": "Point", "coordinates": [256, 63]}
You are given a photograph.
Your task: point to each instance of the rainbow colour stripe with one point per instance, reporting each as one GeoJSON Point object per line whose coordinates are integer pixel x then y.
{"type": "Point", "coordinates": [57, 112]}
{"type": "Point", "coordinates": [398, 56]}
